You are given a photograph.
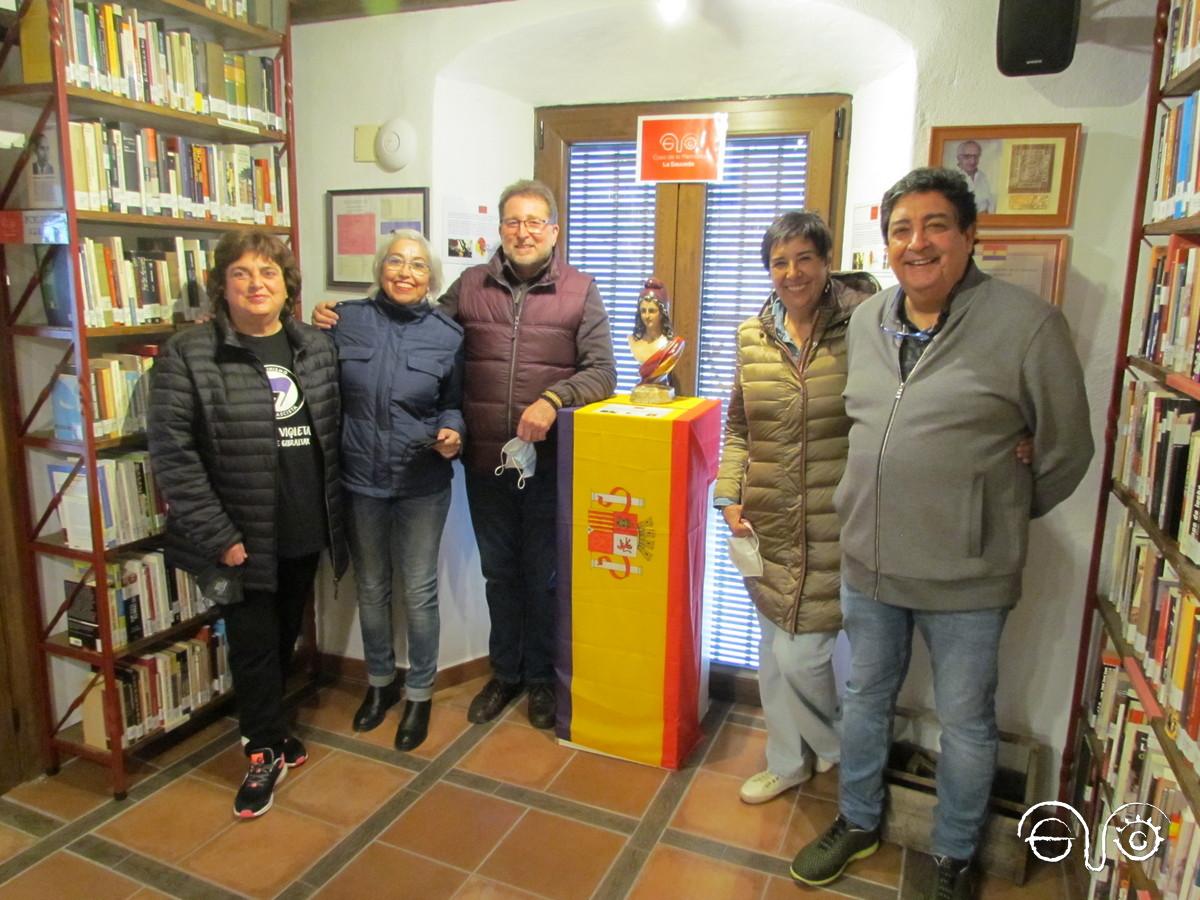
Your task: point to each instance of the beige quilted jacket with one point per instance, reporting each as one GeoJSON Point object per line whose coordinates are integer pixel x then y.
{"type": "Point", "coordinates": [784, 453]}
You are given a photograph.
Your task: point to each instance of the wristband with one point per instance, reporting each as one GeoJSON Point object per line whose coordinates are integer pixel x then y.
{"type": "Point", "coordinates": [552, 398]}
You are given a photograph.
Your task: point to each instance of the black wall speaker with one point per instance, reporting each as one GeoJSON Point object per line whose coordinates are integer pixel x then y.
{"type": "Point", "coordinates": [1036, 37]}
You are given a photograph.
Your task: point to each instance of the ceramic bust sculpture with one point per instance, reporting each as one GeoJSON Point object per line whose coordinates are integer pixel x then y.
{"type": "Point", "coordinates": [654, 345]}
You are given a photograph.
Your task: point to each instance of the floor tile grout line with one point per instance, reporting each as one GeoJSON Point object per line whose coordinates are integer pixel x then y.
{"type": "Point", "coordinates": [210, 888]}
{"type": "Point", "coordinates": [761, 862]}
{"type": "Point", "coordinates": [619, 879]}
{"type": "Point", "coordinates": [367, 832]}
{"type": "Point", "coordinates": [566, 808]}
{"type": "Point", "coordinates": [363, 749]}
{"type": "Point", "coordinates": [110, 809]}
{"type": "Point", "coordinates": [20, 817]}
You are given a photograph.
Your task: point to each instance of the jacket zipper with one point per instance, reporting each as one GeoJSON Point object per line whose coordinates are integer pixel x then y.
{"type": "Point", "coordinates": [887, 431]}
{"type": "Point", "coordinates": [806, 353]}
{"type": "Point", "coordinates": [299, 351]}
{"type": "Point", "coordinates": [518, 297]}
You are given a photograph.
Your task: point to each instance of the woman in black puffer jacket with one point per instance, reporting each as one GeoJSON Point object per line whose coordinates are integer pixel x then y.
{"type": "Point", "coordinates": [244, 415]}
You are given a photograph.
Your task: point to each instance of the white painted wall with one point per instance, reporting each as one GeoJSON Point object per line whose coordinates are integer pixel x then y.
{"type": "Point", "coordinates": [469, 78]}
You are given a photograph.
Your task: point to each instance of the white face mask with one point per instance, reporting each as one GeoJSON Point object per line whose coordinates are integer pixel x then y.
{"type": "Point", "coordinates": [520, 455]}
{"type": "Point", "coordinates": [743, 553]}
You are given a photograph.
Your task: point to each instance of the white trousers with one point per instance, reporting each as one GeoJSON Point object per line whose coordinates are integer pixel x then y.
{"type": "Point", "coordinates": [799, 698]}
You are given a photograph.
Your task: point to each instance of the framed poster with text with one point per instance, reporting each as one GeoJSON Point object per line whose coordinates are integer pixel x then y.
{"type": "Point", "coordinates": [356, 221]}
{"type": "Point", "coordinates": [1036, 262]}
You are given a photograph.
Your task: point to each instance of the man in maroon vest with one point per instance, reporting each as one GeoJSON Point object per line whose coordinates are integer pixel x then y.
{"type": "Point", "coordinates": [537, 339]}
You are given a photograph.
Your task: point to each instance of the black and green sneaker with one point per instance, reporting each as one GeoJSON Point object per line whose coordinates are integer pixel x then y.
{"type": "Point", "coordinates": [824, 859]}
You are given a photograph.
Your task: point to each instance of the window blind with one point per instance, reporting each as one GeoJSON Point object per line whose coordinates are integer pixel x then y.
{"type": "Point", "coordinates": [610, 229]}
{"type": "Point", "coordinates": [610, 235]}
{"type": "Point", "coordinates": [763, 177]}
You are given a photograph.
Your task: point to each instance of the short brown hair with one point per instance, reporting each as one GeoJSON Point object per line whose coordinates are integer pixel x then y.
{"type": "Point", "coordinates": [236, 244]}
{"type": "Point", "coordinates": [528, 187]}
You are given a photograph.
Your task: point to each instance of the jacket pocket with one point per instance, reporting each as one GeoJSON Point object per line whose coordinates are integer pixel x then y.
{"type": "Point", "coordinates": [355, 377]}
{"type": "Point", "coordinates": [975, 517]}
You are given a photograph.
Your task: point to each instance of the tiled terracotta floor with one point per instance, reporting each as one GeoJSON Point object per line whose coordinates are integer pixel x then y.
{"type": "Point", "coordinates": [491, 812]}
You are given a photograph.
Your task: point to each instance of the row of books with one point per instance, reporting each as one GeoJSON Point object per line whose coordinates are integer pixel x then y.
{"type": "Point", "coordinates": [1174, 185]}
{"type": "Point", "coordinates": [111, 48]}
{"type": "Point", "coordinates": [1131, 768]}
{"type": "Point", "coordinates": [1171, 321]}
{"type": "Point", "coordinates": [131, 507]}
{"type": "Point", "coordinates": [144, 596]}
{"type": "Point", "coordinates": [1183, 37]}
{"type": "Point", "coordinates": [119, 167]}
{"type": "Point", "coordinates": [269, 14]}
{"type": "Point", "coordinates": [1161, 620]}
{"type": "Point", "coordinates": [1157, 459]}
{"type": "Point", "coordinates": [159, 691]}
{"type": "Point", "coordinates": [158, 280]}
{"type": "Point", "coordinates": [120, 391]}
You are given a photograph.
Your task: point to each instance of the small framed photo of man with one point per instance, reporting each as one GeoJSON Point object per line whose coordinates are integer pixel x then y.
{"type": "Point", "coordinates": [978, 160]}
{"type": "Point", "coordinates": [1023, 176]}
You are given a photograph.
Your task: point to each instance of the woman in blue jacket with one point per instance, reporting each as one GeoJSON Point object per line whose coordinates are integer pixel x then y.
{"type": "Point", "coordinates": [401, 364]}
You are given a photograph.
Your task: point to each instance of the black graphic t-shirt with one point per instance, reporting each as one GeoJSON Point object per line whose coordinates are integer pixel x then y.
{"type": "Point", "coordinates": [300, 523]}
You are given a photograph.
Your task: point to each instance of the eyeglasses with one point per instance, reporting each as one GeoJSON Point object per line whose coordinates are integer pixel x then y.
{"type": "Point", "coordinates": [533, 226]}
{"type": "Point", "coordinates": [414, 266]}
{"type": "Point", "coordinates": [924, 335]}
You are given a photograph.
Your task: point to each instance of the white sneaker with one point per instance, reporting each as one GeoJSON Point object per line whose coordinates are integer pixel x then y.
{"type": "Point", "coordinates": [767, 785]}
{"type": "Point", "coordinates": [824, 765]}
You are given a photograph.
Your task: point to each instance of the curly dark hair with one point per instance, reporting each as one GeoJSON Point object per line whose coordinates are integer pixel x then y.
{"type": "Point", "coordinates": [236, 244]}
{"type": "Point", "coordinates": [656, 292]}
{"type": "Point", "coordinates": [950, 183]}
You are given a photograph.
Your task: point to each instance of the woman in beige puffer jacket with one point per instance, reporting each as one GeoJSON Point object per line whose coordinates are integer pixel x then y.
{"type": "Point", "coordinates": [784, 452]}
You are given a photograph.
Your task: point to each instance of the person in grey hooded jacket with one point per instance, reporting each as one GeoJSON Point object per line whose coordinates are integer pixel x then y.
{"type": "Point", "coordinates": [947, 372]}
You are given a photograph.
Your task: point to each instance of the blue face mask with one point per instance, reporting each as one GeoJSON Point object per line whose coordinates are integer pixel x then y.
{"type": "Point", "coordinates": [520, 455]}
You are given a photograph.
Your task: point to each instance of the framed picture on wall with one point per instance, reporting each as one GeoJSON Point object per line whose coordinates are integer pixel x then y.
{"type": "Point", "coordinates": [355, 221]}
{"type": "Point", "coordinates": [1023, 176]}
{"type": "Point", "coordinates": [1036, 262]}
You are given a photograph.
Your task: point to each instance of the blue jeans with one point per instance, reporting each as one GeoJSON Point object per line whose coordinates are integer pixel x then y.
{"type": "Point", "coordinates": [963, 650]}
{"type": "Point", "coordinates": [515, 530]}
{"type": "Point", "coordinates": [406, 531]}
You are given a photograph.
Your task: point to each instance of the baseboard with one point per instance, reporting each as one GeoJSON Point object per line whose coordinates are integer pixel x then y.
{"type": "Point", "coordinates": [350, 669]}
{"type": "Point", "coordinates": [734, 684]}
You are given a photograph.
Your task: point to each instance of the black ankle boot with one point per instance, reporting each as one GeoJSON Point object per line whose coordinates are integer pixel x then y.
{"type": "Point", "coordinates": [375, 706]}
{"type": "Point", "coordinates": [414, 727]}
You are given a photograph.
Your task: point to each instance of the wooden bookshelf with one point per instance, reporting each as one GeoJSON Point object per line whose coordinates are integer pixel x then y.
{"type": "Point", "coordinates": [46, 557]}
{"type": "Point", "coordinates": [89, 103]}
{"type": "Point", "coordinates": [212, 226]}
{"type": "Point", "coordinates": [59, 645]}
{"type": "Point", "coordinates": [1189, 572]}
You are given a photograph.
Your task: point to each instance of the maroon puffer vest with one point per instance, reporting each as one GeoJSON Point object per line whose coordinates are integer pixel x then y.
{"type": "Point", "coordinates": [510, 360]}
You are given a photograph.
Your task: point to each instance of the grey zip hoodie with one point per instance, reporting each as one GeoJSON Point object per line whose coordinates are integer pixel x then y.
{"type": "Point", "coordinates": [934, 505]}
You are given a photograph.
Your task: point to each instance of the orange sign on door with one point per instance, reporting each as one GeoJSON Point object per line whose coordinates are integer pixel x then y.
{"type": "Point", "coordinates": [681, 148]}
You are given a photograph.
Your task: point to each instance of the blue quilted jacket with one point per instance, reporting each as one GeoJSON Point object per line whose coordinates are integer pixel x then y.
{"type": "Point", "coordinates": [401, 378]}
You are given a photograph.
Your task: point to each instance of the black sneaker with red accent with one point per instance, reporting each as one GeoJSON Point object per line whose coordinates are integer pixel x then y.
{"type": "Point", "coordinates": [258, 787]}
{"type": "Point", "coordinates": [294, 752]}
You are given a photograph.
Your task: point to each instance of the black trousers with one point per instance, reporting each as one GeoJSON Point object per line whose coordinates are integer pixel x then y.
{"type": "Point", "coordinates": [262, 632]}
{"type": "Point", "coordinates": [517, 537]}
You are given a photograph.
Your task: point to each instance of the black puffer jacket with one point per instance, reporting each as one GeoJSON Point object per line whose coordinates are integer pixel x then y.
{"type": "Point", "coordinates": [212, 444]}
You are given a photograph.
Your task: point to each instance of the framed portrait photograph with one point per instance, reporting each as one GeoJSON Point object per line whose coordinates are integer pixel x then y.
{"type": "Point", "coordinates": [355, 221]}
{"type": "Point", "coordinates": [1036, 262]}
{"type": "Point", "coordinates": [1023, 176]}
